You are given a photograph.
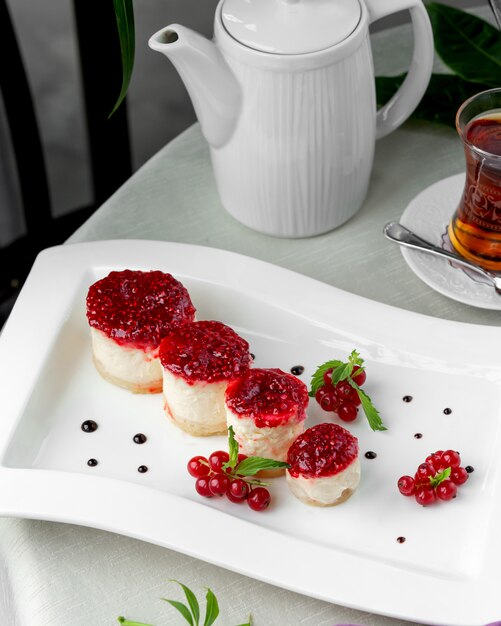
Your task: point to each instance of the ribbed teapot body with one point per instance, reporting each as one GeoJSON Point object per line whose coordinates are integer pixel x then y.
{"type": "Point", "coordinates": [299, 160]}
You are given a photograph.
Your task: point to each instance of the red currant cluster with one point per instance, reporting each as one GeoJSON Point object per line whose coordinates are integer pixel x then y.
{"type": "Point", "coordinates": [341, 398]}
{"type": "Point", "coordinates": [214, 480]}
{"type": "Point", "coordinates": [438, 477]}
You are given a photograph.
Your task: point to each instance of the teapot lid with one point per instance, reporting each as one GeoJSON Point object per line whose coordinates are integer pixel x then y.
{"type": "Point", "coordinates": [290, 26]}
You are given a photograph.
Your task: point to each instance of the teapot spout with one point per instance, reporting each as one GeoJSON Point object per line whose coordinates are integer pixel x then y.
{"type": "Point", "coordinates": [213, 88]}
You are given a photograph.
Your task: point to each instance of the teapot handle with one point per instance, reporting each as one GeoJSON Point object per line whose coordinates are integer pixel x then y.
{"type": "Point", "coordinates": [402, 104]}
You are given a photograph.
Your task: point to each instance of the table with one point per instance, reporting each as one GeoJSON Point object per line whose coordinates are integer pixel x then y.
{"type": "Point", "coordinates": [56, 574]}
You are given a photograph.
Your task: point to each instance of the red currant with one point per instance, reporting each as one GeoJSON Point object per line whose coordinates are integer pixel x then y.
{"type": "Point", "coordinates": [202, 487]}
{"type": "Point", "coordinates": [328, 376]}
{"type": "Point", "coordinates": [241, 457]}
{"type": "Point", "coordinates": [423, 474]}
{"type": "Point", "coordinates": [259, 499]}
{"type": "Point", "coordinates": [358, 376]}
{"type": "Point", "coordinates": [425, 495]}
{"type": "Point", "coordinates": [329, 401]}
{"type": "Point", "coordinates": [218, 484]}
{"type": "Point", "coordinates": [347, 412]}
{"type": "Point", "coordinates": [436, 460]}
{"type": "Point", "coordinates": [429, 459]}
{"type": "Point", "coordinates": [217, 460]}
{"type": "Point", "coordinates": [459, 475]}
{"type": "Point", "coordinates": [320, 393]}
{"type": "Point", "coordinates": [451, 458]}
{"type": "Point", "coordinates": [198, 466]}
{"type": "Point", "coordinates": [447, 490]}
{"type": "Point", "coordinates": [406, 485]}
{"type": "Point", "coordinates": [238, 490]}
{"type": "Point", "coordinates": [347, 394]}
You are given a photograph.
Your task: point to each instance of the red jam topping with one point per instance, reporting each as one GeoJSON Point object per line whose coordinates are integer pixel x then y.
{"type": "Point", "coordinates": [323, 450]}
{"type": "Point", "coordinates": [268, 396]}
{"type": "Point", "coordinates": [207, 351]}
{"type": "Point", "coordinates": [138, 308]}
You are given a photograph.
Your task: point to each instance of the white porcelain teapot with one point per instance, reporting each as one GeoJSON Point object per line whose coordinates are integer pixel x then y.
{"type": "Point", "coordinates": [285, 96]}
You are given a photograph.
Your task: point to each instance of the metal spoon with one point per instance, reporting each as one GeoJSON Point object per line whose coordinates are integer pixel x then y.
{"type": "Point", "coordinates": [404, 237]}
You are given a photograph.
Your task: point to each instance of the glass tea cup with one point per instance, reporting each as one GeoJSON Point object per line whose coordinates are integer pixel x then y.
{"type": "Point", "coordinates": [475, 228]}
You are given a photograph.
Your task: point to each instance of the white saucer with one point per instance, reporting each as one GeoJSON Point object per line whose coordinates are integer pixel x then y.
{"type": "Point", "coordinates": [428, 215]}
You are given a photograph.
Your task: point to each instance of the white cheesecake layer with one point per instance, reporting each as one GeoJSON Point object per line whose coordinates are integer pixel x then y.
{"type": "Point", "coordinates": [128, 367]}
{"type": "Point", "coordinates": [197, 408]}
{"type": "Point", "coordinates": [271, 443]}
{"type": "Point", "coordinates": [328, 490]}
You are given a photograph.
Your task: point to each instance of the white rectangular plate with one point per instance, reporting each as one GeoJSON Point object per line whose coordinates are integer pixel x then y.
{"type": "Point", "coordinates": [446, 572]}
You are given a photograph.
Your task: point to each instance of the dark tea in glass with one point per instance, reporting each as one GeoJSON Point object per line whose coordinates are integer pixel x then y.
{"type": "Point", "coordinates": [475, 229]}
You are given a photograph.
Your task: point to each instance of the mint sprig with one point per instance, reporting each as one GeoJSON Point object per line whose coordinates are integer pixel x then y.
{"type": "Point", "coordinates": [249, 466]}
{"type": "Point", "coordinates": [343, 371]}
{"type": "Point", "coordinates": [232, 450]}
{"type": "Point", "coordinates": [440, 477]}
{"type": "Point", "coordinates": [340, 371]}
{"type": "Point", "coordinates": [317, 380]}
{"type": "Point", "coordinates": [191, 611]}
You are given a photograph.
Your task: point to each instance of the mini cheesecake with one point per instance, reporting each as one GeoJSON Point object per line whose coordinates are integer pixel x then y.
{"type": "Point", "coordinates": [199, 360]}
{"type": "Point", "coordinates": [324, 465]}
{"type": "Point", "coordinates": [267, 409]}
{"type": "Point", "coordinates": [129, 312]}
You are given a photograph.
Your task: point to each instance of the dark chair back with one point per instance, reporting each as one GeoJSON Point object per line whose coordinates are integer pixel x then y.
{"type": "Point", "coordinates": [109, 146]}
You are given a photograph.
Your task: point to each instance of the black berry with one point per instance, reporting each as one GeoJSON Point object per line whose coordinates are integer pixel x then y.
{"type": "Point", "coordinates": [89, 426]}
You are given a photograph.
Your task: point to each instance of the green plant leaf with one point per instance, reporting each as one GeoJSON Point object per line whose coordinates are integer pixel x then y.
{"type": "Point", "coordinates": [444, 96]}
{"type": "Point", "coordinates": [254, 464]}
{"type": "Point", "coordinates": [233, 450]}
{"type": "Point", "coordinates": [342, 372]}
{"type": "Point", "coordinates": [356, 359]}
{"type": "Point", "coordinates": [212, 609]}
{"type": "Point", "coordinates": [317, 380]}
{"type": "Point", "coordinates": [371, 413]}
{"type": "Point", "coordinates": [126, 622]}
{"type": "Point", "coordinates": [192, 601]}
{"type": "Point", "coordinates": [439, 478]}
{"type": "Point", "coordinates": [470, 46]}
{"type": "Point", "coordinates": [124, 14]}
{"type": "Point", "coordinates": [182, 608]}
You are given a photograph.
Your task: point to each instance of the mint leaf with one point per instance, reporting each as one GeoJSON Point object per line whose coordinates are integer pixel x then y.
{"type": "Point", "coordinates": [212, 610]}
{"type": "Point", "coordinates": [439, 478]}
{"type": "Point", "coordinates": [191, 599]}
{"type": "Point", "coordinates": [355, 358]}
{"type": "Point", "coordinates": [182, 608]}
{"type": "Point", "coordinates": [317, 380]}
{"type": "Point", "coordinates": [126, 622]}
{"type": "Point", "coordinates": [341, 373]}
{"type": "Point", "coordinates": [233, 450]}
{"type": "Point", "coordinates": [254, 464]}
{"type": "Point", "coordinates": [371, 413]}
